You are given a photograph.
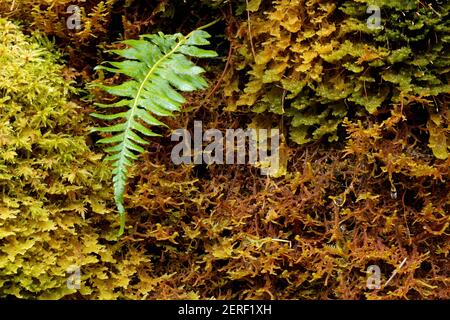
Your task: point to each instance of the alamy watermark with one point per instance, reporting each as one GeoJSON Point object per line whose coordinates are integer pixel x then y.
{"type": "Point", "coordinates": [74, 277]}
{"type": "Point", "coordinates": [373, 277]}
{"type": "Point", "coordinates": [374, 21]}
{"type": "Point", "coordinates": [230, 149]}
{"type": "Point", "coordinates": [74, 20]}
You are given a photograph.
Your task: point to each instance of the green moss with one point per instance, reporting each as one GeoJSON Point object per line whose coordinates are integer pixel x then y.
{"type": "Point", "coordinates": [318, 54]}
{"type": "Point", "coordinates": [52, 183]}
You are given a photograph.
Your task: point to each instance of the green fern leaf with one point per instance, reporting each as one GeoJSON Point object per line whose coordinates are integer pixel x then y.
{"type": "Point", "coordinates": [158, 67]}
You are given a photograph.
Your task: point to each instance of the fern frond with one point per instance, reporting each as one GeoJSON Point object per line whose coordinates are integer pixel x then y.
{"type": "Point", "coordinates": [158, 68]}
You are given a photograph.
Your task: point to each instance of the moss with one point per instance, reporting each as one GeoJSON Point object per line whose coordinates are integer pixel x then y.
{"type": "Point", "coordinates": [316, 55]}
{"type": "Point", "coordinates": [53, 186]}
{"type": "Point", "coordinates": [376, 197]}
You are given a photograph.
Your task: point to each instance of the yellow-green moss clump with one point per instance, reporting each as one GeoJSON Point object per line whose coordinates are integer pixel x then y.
{"type": "Point", "coordinates": [52, 186]}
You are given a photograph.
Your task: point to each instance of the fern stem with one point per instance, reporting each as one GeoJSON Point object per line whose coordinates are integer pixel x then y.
{"type": "Point", "coordinates": [206, 25]}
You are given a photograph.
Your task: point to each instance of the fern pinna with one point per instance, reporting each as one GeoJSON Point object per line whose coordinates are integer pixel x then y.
{"type": "Point", "coordinates": [158, 67]}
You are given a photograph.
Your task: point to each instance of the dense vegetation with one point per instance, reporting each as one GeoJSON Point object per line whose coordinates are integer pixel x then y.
{"type": "Point", "coordinates": [364, 115]}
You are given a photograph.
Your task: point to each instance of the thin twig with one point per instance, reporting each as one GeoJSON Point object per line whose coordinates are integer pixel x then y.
{"type": "Point", "coordinates": [282, 240]}
{"type": "Point", "coordinates": [219, 81]}
{"type": "Point", "coordinates": [395, 272]}
{"type": "Point", "coordinates": [250, 31]}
